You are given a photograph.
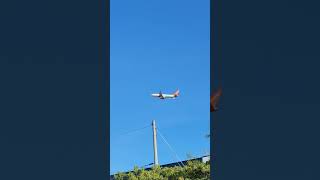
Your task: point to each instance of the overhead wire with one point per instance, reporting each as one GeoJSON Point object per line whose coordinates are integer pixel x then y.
{"type": "Point", "coordinates": [176, 156]}
{"type": "Point", "coordinates": [170, 147]}
{"type": "Point", "coordinates": [133, 131]}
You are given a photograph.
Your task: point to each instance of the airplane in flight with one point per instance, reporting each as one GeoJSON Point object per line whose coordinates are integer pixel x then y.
{"type": "Point", "coordinates": [214, 99]}
{"type": "Point", "coordinates": [166, 96]}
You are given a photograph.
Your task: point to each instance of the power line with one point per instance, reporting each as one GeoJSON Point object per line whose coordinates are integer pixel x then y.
{"type": "Point", "coordinates": [134, 130]}
{"type": "Point", "coordinates": [170, 147]}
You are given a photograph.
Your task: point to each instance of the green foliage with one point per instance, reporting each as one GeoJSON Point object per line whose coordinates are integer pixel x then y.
{"type": "Point", "coordinates": [194, 170]}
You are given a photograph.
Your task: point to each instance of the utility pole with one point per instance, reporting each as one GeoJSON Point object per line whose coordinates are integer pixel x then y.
{"type": "Point", "coordinates": [155, 148]}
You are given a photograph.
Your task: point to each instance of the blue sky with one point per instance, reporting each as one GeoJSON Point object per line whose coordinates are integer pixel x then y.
{"type": "Point", "coordinates": [158, 45]}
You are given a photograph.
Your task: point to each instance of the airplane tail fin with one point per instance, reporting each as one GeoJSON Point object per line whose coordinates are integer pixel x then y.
{"type": "Point", "coordinates": [177, 93]}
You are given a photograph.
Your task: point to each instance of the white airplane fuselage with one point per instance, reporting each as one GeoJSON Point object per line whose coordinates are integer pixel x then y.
{"type": "Point", "coordinates": [164, 96]}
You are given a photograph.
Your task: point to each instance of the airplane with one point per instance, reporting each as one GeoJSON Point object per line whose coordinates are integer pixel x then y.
{"type": "Point", "coordinates": [214, 99]}
{"type": "Point", "coordinates": [167, 96]}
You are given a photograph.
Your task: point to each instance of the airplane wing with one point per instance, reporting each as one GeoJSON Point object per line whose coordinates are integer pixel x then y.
{"type": "Point", "coordinates": [160, 95]}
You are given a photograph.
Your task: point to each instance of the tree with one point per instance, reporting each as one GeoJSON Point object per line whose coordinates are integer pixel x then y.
{"type": "Point", "coordinates": [194, 170]}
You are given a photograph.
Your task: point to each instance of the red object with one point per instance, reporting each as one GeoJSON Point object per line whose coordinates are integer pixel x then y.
{"type": "Point", "coordinates": [214, 99]}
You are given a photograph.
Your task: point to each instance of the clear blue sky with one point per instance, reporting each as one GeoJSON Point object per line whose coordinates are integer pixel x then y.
{"type": "Point", "coordinates": [159, 45]}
